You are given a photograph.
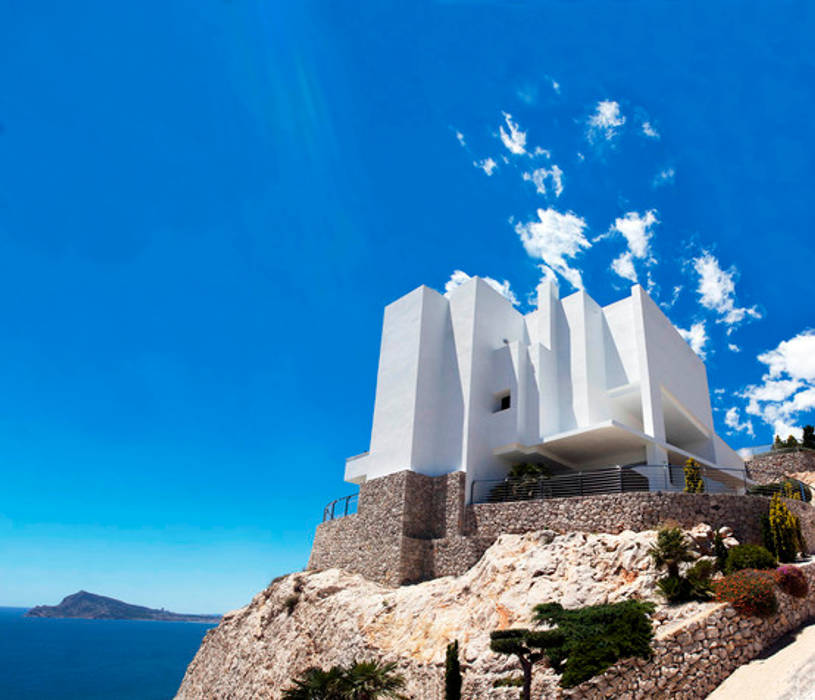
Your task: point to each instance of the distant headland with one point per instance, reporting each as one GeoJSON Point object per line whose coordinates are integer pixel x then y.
{"type": "Point", "coordinates": [90, 606]}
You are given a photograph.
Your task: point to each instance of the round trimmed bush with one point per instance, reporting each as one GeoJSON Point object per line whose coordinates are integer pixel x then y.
{"type": "Point", "coordinates": [749, 591]}
{"type": "Point", "coordinates": [749, 556]}
{"type": "Point", "coordinates": [791, 579]}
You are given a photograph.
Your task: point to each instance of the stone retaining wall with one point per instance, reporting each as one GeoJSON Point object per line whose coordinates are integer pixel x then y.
{"type": "Point", "coordinates": [772, 466]}
{"type": "Point", "coordinates": [692, 660]}
{"type": "Point", "coordinates": [410, 527]}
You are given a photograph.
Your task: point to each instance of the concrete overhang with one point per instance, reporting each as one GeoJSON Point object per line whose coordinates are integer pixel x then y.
{"type": "Point", "coordinates": [572, 447]}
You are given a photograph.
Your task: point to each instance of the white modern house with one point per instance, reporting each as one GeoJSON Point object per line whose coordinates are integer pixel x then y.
{"type": "Point", "coordinates": [468, 383]}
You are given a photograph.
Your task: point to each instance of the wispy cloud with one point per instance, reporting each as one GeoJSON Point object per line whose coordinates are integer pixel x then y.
{"type": "Point", "coordinates": [555, 238]}
{"type": "Point", "coordinates": [459, 277]}
{"type": "Point", "coordinates": [487, 165]}
{"type": "Point", "coordinates": [717, 292]}
{"type": "Point", "coordinates": [637, 229]}
{"type": "Point", "coordinates": [514, 139]}
{"type": "Point", "coordinates": [460, 138]}
{"type": "Point", "coordinates": [696, 336]}
{"type": "Point", "coordinates": [733, 347]}
{"type": "Point", "coordinates": [540, 176]}
{"type": "Point", "coordinates": [649, 130]}
{"type": "Point", "coordinates": [606, 121]}
{"type": "Point", "coordinates": [664, 177]}
{"type": "Point", "coordinates": [732, 419]}
{"type": "Point", "coordinates": [623, 265]}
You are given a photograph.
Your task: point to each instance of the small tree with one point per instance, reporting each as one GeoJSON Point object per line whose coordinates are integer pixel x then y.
{"type": "Point", "coordinates": [521, 643]}
{"type": "Point", "coordinates": [809, 437]}
{"type": "Point", "coordinates": [452, 673]}
{"type": "Point", "coordinates": [672, 549]}
{"type": "Point", "coordinates": [522, 483]}
{"type": "Point", "coordinates": [778, 443]}
{"type": "Point", "coordinates": [364, 680]}
{"type": "Point", "coordinates": [369, 680]}
{"type": "Point", "coordinates": [316, 684]}
{"type": "Point", "coordinates": [693, 477]}
{"type": "Point", "coordinates": [791, 442]}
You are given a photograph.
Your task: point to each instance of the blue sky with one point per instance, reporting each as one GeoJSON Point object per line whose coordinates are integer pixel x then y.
{"type": "Point", "coordinates": [204, 207]}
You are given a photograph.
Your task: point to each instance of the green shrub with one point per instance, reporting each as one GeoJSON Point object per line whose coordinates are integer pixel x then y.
{"type": "Point", "coordinates": [698, 578]}
{"type": "Point", "coordinates": [511, 682]}
{"type": "Point", "coordinates": [791, 580]}
{"type": "Point", "coordinates": [452, 673]}
{"type": "Point", "coordinates": [749, 591]}
{"type": "Point", "coordinates": [749, 556]}
{"type": "Point", "coordinates": [588, 640]}
{"type": "Point", "coordinates": [784, 535]}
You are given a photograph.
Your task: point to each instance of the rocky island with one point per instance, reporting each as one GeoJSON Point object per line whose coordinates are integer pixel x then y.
{"type": "Point", "coordinates": [90, 606]}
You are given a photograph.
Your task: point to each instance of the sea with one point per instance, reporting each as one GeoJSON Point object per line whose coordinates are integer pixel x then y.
{"type": "Point", "coordinates": [43, 658]}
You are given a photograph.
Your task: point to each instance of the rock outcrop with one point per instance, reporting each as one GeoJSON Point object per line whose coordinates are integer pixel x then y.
{"type": "Point", "coordinates": [331, 617]}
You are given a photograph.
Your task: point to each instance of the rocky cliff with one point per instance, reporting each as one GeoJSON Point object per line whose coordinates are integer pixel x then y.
{"type": "Point", "coordinates": [331, 617]}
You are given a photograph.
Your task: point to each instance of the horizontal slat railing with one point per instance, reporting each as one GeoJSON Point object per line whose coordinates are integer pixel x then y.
{"type": "Point", "coordinates": [605, 480]}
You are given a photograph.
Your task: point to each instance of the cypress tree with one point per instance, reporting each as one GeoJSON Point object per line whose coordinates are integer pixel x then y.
{"type": "Point", "coordinates": [452, 673]}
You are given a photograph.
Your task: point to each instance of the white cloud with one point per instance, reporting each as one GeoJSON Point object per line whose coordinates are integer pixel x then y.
{"type": "Point", "coordinates": [732, 420]}
{"type": "Point", "coordinates": [696, 337]}
{"type": "Point", "coordinates": [460, 138]}
{"type": "Point", "coordinates": [664, 177]}
{"type": "Point", "coordinates": [794, 357]}
{"type": "Point", "coordinates": [733, 347]}
{"type": "Point", "coordinates": [556, 86]}
{"type": "Point", "coordinates": [636, 229]}
{"type": "Point", "coordinates": [787, 389]}
{"type": "Point", "coordinates": [515, 140]}
{"type": "Point", "coordinates": [605, 121]}
{"type": "Point", "coordinates": [674, 297]}
{"type": "Point", "coordinates": [540, 152]}
{"type": "Point", "coordinates": [540, 175]}
{"type": "Point", "coordinates": [649, 130]}
{"type": "Point", "coordinates": [623, 265]}
{"type": "Point", "coordinates": [554, 239]}
{"type": "Point", "coordinates": [717, 292]}
{"type": "Point", "coordinates": [487, 165]}
{"type": "Point", "coordinates": [503, 288]}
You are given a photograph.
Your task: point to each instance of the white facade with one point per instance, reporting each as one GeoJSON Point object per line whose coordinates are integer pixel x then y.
{"type": "Point", "coordinates": [588, 386]}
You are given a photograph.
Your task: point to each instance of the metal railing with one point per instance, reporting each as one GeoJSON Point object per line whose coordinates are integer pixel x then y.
{"type": "Point", "coordinates": [760, 450]}
{"type": "Point", "coordinates": [616, 479]}
{"type": "Point", "coordinates": [347, 505]}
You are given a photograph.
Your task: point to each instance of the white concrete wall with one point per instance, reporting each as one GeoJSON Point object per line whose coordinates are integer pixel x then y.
{"type": "Point", "coordinates": [570, 364]}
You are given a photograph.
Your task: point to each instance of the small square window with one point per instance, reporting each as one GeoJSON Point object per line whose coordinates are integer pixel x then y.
{"type": "Point", "coordinates": [502, 402]}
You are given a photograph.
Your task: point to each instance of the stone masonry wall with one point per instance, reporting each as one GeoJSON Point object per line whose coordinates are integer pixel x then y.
{"type": "Point", "coordinates": [693, 659]}
{"type": "Point", "coordinates": [772, 466]}
{"type": "Point", "coordinates": [410, 527]}
{"type": "Point", "coordinates": [614, 513]}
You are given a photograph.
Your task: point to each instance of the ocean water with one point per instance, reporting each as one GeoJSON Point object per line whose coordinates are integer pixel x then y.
{"type": "Point", "coordinates": [43, 658]}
